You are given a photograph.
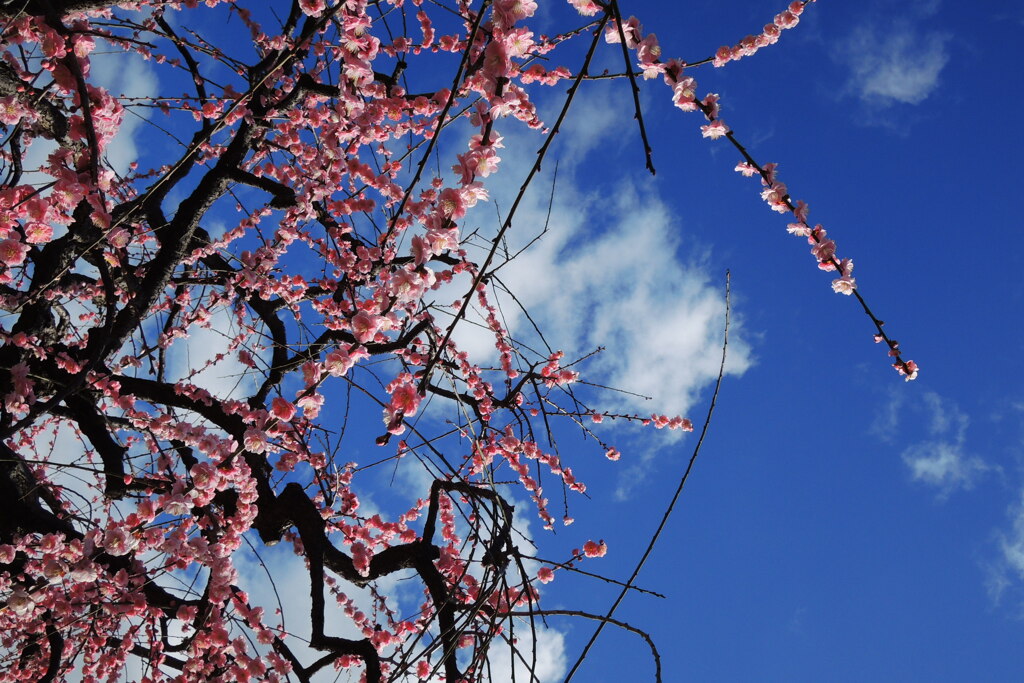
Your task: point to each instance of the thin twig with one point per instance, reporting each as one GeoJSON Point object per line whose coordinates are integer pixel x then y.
{"type": "Point", "coordinates": [604, 620]}
{"type": "Point", "coordinates": [482, 270]}
{"type": "Point", "coordinates": [614, 6]}
{"type": "Point", "coordinates": [675, 496]}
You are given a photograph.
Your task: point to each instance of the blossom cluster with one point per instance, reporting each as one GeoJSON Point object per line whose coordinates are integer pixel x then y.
{"type": "Point", "coordinates": [317, 206]}
{"type": "Point", "coordinates": [774, 192]}
{"type": "Point", "coordinates": [747, 47]}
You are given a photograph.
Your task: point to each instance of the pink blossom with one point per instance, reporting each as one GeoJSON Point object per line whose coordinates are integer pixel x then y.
{"type": "Point", "coordinates": [497, 64]}
{"type": "Point", "coordinates": [426, 27]}
{"type": "Point", "coordinates": [287, 461]}
{"type": "Point", "coordinates": [405, 399]}
{"type": "Point", "coordinates": [801, 211]}
{"type": "Point", "coordinates": [83, 45]}
{"type": "Point", "coordinates": [52, 43]}
{"type": "Point", "coordinates": [313, 8]}
{"type": "Point", "coordinates": [361, 557]}
{"type": "Point", "coordinates": [211, 110]}
{"type": "Point", "coordinates": [51, 543]}
{"type": "Point", "coordinates": [175, 504]}
{"type": "Point", "coordinates": [255, 440]}
{"type": "Point", "coordinates": [567, 376]}
{"type": "Point", "coordinates": [365, 326]}
{"type": "Point", "coordinates": [118, 237]}
{"type": "Point", "coordinates": [787, 19]}
{"type": "Point", "coordinates": [775, 194]}
{"type": "Point", "coordinates": [714, 130]}
{"type": "Point", "coordinates": [38, 233]}
{"type": "Point", "coordinates": [20, 602]}
{"type": "Point", "coordinates": [311, 404]}
{"type": "Point", "coordinates": [824, 250]}
{"type": "Point", "coordinates": [84, 572]}
{"type": "Point", "coordinates": [452, 204]}
{"type": "Point", "coordinates": [474, 192]}
{"type": "Point", "coordinates": [53, 570]}
{"type": "Point", "coordinates": [11, 110]}
{"type": "Point", "coordinates": [408, 285]}
{"type": "Point", "coordinates": [711, 106]}
{"type": "Point", "coordinates": [421, 250]}
{"type": "Point", "coordinates": [648, 53]}
{"type": "Point", "coordinates": [908, 369]}
{"type": "Point", "coordinates": [631, 29]}
{"type": "Point", "coordinates": [339, 362]}
{"type": "Point", "coordinates": [12, 252]}
{"type": "Point", "coordinates": [118, 542]}
{"type": "Point", "coordinates": [344, 267]}
{"type": "Point", "coordinates": [748, 46]}
{"type": "Point", "coordinates": [682, 423]}
{"type": "Point", "coordinates": [746, 169]}
{"type": "Point", "coordinates": [844, 285]}
{"type": "Point", "coordinates": [508, 12]}
{"type": "Point", "coordinates": [394, 420]}
{"type": "Point", "coordinates": [585, 7]}
{"type": "Point", "coordinates": [204, 476]}
{"type": "Point", "coordinates": [282, 409]}
{"type": "Point", "coordinates": [723, 56]}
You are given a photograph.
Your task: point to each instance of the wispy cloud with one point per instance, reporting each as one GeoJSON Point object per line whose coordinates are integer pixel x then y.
{"type": "Point", "coordinates": [615, 270]}
{"type": "Point", "coordinates": [124, 74]}
{"type": "Point", "coordinates": [277, 580]}
{"type": "Point", "coordinates": [205, 360]}
{"type": "Point", "coordinates": [943, 464]}
{"type": "Point", "coordinates": [887, 420]}
{"type": "Point", "coordinates": [612, 269]}
{"type": "Point", "coordinates": [893, 64]}
{"type": "Point", "coordinates": [1006, 572]}
{"type": "Point", "coordinates": [1013, 542]}
{"type": "Point", "coordinates": [939, 459]}
{"type": "Point", "coordinates": [539, 655]}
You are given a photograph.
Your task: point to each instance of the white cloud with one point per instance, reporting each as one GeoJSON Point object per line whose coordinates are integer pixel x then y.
{"type": "Point", "coordinates": [544, 657]}
{"type": "Point", "coordinates": [123, 74]}
{"type": "Point", "coordinates": [887, 420]}
{"type": "Point", "coordinates": [278, 579]}
{"type": "Point", "coordinates": [614, 269]}
{"type": "Point", "coordinates": [1006, 573]}
{"type": "Point", "coordinates": [196, 359]}
{"type": "Point", "coordinates": [942, 464]}
{"type": "Point", "coordinates": [894, 63]}
{"type": "Point", "coordinates": [941, 459]}
{"type": "Point", "coordinates": [1012, 543]}
{"type": "Point", "coordinates": [63, 449]}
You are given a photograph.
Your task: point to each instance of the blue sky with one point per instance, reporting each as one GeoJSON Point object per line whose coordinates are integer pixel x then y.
{"type": "Point", "coordinates": [841, 524]}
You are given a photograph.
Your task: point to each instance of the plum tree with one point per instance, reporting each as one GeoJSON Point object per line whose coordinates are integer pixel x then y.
{"type": "Point", "coordinates": [287, 203]}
